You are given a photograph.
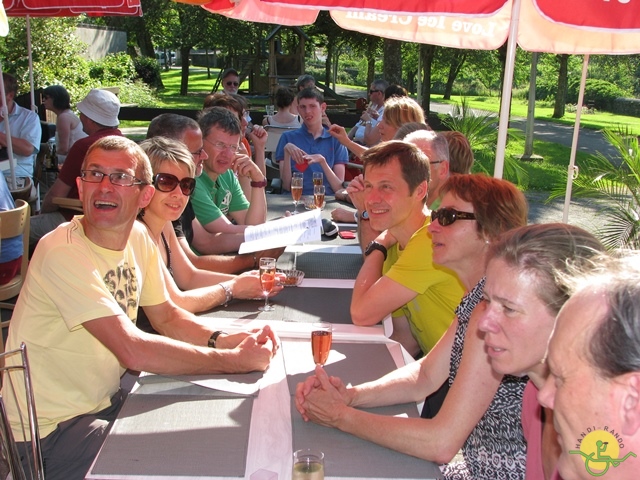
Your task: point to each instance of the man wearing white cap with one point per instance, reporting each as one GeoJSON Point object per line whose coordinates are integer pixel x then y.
{"type": "Point", "coordinates": [99, 116]}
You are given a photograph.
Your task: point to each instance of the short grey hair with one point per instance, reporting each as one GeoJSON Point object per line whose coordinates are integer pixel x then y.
{"type": "Point", "coordinates": [614, 346]}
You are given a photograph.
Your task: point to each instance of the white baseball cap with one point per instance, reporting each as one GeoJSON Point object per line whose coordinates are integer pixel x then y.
{"type": "Point", "coordinates": [101, 106]}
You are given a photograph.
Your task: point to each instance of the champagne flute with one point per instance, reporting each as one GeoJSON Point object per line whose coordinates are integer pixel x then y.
{"type": "Point", "coordinates": [318, 178]}
{"type": "Point", "coordinates": [296, 190]}
{"type": "Point", "coordinates": [321, 342]}
{"type": "Point", "coordinates": [318, 196]}
{"type": "Point", "coordinates": [267, 281]}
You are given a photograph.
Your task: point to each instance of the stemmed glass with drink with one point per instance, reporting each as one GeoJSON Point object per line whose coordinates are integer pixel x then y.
{"type": "Point", "coordinates": [267, 281]}
{"type": "Point", "coordinates": [321, 334]}
{"type": "Point", "coordinates": [296, 190]}
{"type": "Point", "coordinates": [318, 196]}
{"type": "Point", "coordinates": [318, 178]}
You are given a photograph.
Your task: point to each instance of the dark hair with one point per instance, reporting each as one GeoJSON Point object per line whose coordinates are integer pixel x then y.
{"type": "Point", "coordinates": [414, 164]}
{"type": "Point", "coordinates": [303, 80]}
{"type": "Point", "coordinates": [10, 83]}
{"type": "Point", "coordinates": [545, 251]}
{"type": "Point", "coordinates": [311, 93]}
{"type": "Point", "coordinates": [460, 153]}
{"type": "Point", "coordinates": [171, 125]}
{"type": "Point", "coordinates": [283, 97]}
{"type": "Point", "coordinates": [59, 95]}
{"type": "Point", "coordinates": [497, 204]}
{"type": "Point", "coordinates": [395, 90]}
{"type": "Point", "coordinates": [230, 102]}
{"type": "Point", "coordinates": [229, 71]}
{"type": "Point", "coordinates": [221, 118]}
{"type": "Point", "coordinates": [614, 345]}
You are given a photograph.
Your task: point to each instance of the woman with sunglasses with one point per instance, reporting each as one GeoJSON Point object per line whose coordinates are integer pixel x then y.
{"type": "Point", "coordinates": [522, 296]}
{"type": "Point", "coordinates": [190, 288]}
{"type": "Point", "coordinates": [481, 412]}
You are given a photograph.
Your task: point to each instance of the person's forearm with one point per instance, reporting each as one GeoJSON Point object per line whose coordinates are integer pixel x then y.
{"type": "Point", "coordinates": [257, 212]}
{"type": "Point", "coordinates": [217, 243]}
{"type": "Point", "coordinates": [332, 178]}
{"type": "Point", "coordinates": [398, 386]}
{"type": "Point", "coordinates": [354, 147]}
{"type": "Point", "coordinates": [219, 263]}
{"type": "Point", "coordinates": [365, 233]}
{"type": "Point", "coordinates": [21, 146]}
{"type": "Point", "coordinates": [205, 279]}
{"type": "Point", "coordinates": [370, 273]}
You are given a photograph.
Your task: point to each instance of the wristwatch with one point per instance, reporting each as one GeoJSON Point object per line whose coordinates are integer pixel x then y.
{"type": "Point", "coordinates": [363, 216]}
{"type": "Point", "coordinates": [373, 245]}
{"type": "Point", "coordinates": [261, 184]}
{"type": "Point", "coordinates": [214, 338]}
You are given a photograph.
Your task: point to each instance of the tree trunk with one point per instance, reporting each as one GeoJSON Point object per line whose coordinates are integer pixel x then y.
{"type": "Point", "coordinates": [454, 69]}
{"type": "Point", "coordinates": [371, 61]}
{"type": "Point", "coordinates": [392, 57]}
{"type": "Point", "coordinates": [184, 78]}
{"type": "Point", "coordinates": [327, 64]}
{"type": "Point", "coordinates": [427, 53]}
{"type": "Point", "coordinates": [563, 83]}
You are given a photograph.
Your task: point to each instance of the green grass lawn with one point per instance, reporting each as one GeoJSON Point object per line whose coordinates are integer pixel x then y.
{"type": "Point", "coordinates": [597, 121]}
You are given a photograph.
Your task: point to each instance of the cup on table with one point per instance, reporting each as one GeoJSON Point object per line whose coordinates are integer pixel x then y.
{"type": "Point", "coordinates": [308, 464]}
{"type": "Point", "coordinates": [270, 109]}
{"type": "Point", "coordinates": [321, 334]}
{"type": "Point", "coordinates": [318, 195]}
{"type": "Point", "coordinates": [318, 178]}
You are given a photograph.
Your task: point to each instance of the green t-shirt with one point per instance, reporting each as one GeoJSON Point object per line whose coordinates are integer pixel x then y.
{"type": "Point", "coordinates": [213, 199]}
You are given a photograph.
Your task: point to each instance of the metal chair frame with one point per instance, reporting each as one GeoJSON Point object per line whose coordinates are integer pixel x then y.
{"type": "Point", "coordinates": [8, 441]}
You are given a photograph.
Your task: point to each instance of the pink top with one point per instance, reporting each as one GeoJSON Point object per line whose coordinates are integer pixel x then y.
{"type": "Point", "coordinates": [532, 428]}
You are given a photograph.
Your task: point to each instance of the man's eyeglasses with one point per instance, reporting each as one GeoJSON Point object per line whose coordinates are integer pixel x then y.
{"type": "Point", "coordinates": [220, 146]}
{"type": "Point", "coordinates": [197, 154]}
{"type": "Point", "coordinates": [165, 182]}
{"type": "Point", "coordinates": [229, 84]}
{"type": "Point", "coordinates": [447, 216]}
{"type": "Point", "coordinates": [117, 178]}
{"type": "Point", "coordinates": [371, 92]}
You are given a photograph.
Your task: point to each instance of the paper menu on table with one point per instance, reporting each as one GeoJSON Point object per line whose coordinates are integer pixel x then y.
{"type": "Point", "coordinates": [301, 228]}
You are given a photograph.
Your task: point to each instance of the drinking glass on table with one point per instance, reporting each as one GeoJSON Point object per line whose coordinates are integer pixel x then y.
{"type": "Point", "coordinates": [318, 195]}
{"type": "Point", "coordinates": [308, 464]}
{"type": "Point", "coordinates": [318, 178]}
{"type": "Point", "coordinates": [321, 334]}
{"type": "Point", "coordinates": [296, 190]}
{"type": "Point", "coordinates": [267, 281]}
{"type": "Point", "coordinates": [270, 109]}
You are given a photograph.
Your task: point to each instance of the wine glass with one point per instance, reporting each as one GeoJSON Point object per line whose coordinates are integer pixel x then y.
{"type": "Point", "coordinates": [318, 178]}
{"type": "Point", "coordinates": [267, 281]}
{"type": "Point", "coordinates": [296, 190]}
{"type": "Point", "coordinates": [321, 342]}
{"type": "Point", "coordinates": [318, 196]}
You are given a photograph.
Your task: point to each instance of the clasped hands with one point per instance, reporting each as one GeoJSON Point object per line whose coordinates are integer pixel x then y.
{"type": "Point", "coordinates": [300, 156]}
{"type": "Point", "coordinates": [323, 399]}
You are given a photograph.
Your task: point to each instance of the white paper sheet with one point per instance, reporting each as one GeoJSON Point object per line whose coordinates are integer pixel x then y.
{"type": "Point", "coordinates": [304, 227]}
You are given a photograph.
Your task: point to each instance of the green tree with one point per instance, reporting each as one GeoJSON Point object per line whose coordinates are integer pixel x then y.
{"type": "Point", "coordinates": [55, 48]}
{"type": "Point", "coordinates": [563, 83]}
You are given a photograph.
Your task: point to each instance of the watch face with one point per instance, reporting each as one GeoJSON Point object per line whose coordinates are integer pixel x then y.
{"type": "Point", "coordinates": [365, 215]}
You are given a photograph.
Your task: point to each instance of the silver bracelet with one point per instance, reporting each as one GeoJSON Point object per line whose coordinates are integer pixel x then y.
{"type": "Point", "coordinates": [227, 293]}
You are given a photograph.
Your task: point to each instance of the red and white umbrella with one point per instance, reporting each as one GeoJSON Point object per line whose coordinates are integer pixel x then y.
{"type": "Point", "coordinates": [256, 11]}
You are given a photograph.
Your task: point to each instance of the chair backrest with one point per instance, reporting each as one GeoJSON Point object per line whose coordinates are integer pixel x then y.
{"type": "Point", "coordinates": [16, 222]}
{"type": "Point", "coordinates": [274, 137]}
{"type": "Point", "coordinates": [16, 381]}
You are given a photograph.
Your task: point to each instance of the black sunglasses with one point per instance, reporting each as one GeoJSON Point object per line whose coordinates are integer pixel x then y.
{"type": "Point", "coordinates": [447, 216]}
{"type": "Point", "coordinates": [371, 92]}
{"type": "Point", "coordinates": [235, 84]}
{"type": "Point", "coordinates": [165, 182]}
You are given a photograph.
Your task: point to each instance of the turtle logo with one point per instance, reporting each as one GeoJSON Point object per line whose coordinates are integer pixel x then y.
{"type": "Point", "coordinates": [600, 451]}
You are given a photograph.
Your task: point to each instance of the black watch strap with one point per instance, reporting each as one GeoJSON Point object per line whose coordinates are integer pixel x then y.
{"type": "Point", "coordinates": [375, 246]}
{"type": "Point", "coordinates": [214, 338]}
